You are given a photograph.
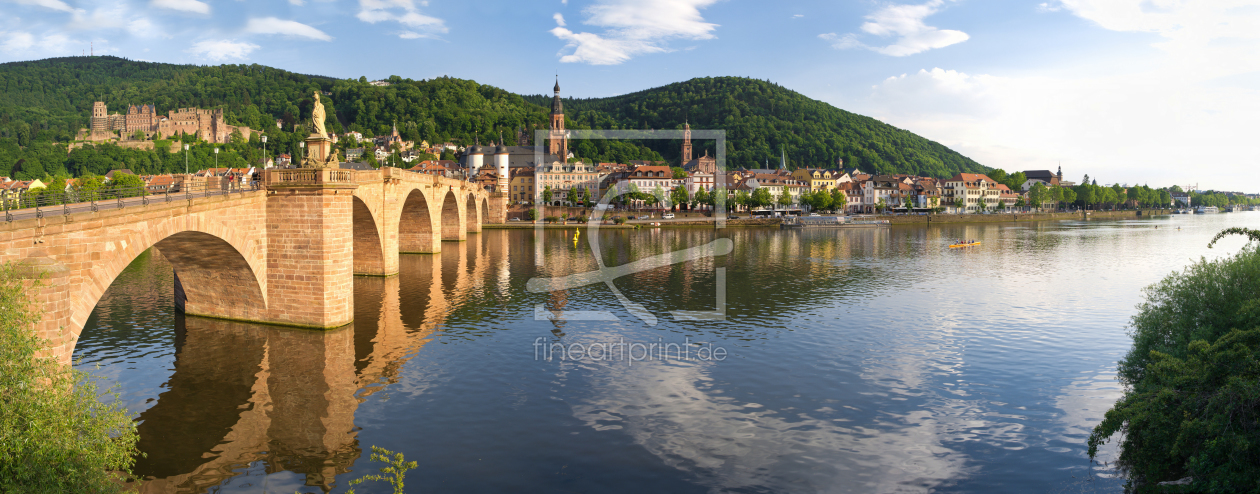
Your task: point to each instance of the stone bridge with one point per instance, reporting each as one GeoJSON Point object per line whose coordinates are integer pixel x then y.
{"type": "Point", "coordinates": [285, 254]}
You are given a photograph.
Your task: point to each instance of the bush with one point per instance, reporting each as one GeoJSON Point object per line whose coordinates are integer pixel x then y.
{"type": "Point", "coordinates": [581, 219]}
{"type": "Point", "coordinates": [619, 220]}
{"type": "Point", "coordinates": [1192, 402]}
{"type": "Point", "coordinates": [551, 219]}
{"type": "Point", "coordinates": [532, 214]}
{"type": "Point", "coordinates": [55, 433]}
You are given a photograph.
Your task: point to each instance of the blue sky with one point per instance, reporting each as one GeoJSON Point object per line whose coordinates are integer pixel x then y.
{"type": "Point", "coordinates": [1130, 91]}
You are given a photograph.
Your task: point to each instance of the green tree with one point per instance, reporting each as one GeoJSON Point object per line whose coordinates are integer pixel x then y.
{"type": "Point", "coordinates": [743, 199]}
{"type": "Point", "coordinates": [679, 173]}
{"type": "Point", "coordinates": [761, 198]}
{"type": "Point", "coordinates": [839, 200]}
{"type": "Point", "coordinates": [55, 433]}
{"type": "Point", "coordinates": [127, 184]}
{"type": "Point", "coordinates": [678, 197]}
{"type": "Point", "coordinates": [703, 197]}
{"type": "Point", "coordinates": [1189, 408]}
{"type": "Point", "coordinates": [547, 194]}
{"type": "Point", "coordinates": [908, 203]}
{"type": "Point", "coordinates": [785, 197]}
{"type": "Point", "coordinates": [959, 204]}
{"type": "Point", "coordinates": [881, 206]}
{"type": "Point", "coordinates": [573, 196]}
{"type": "Point", "coordinates": [1037, 195]}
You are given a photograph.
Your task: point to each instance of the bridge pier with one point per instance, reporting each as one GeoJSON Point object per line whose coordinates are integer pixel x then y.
{"type": "Point", "coordinates": [310, 248]}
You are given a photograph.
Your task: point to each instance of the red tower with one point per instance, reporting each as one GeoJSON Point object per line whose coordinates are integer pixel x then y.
{"type": "Point", "coordinates": [558, 139]}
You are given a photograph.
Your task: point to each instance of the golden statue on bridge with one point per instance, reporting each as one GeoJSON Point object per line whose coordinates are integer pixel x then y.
{"type": "Point", "coordinates": [319, 152]}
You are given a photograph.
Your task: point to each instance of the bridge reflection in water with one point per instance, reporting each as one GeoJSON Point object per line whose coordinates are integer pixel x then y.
{"type": "Point", "coordinates": [247, 396]}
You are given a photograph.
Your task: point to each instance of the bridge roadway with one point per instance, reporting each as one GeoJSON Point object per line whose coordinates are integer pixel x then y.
{"type": "Point", "coordinates": [285, 254]}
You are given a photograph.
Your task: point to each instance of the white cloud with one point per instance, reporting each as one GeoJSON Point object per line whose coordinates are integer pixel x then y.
{"type": "Point", "coordinates": [299, 3]}
{"type": "Point", "coordinates": [272, 25]}
{"type": "Point", "coordinates": [222, 50]}
{"type": "Point", "coordinates": [906, 22]}
{"type": "Point", "coordinates": [403, 12]}
{"type": "Point", "coordinates": [193, 6]}
{"type": "Point", "coordinates": [798, 16]}
{"type": "Point", "coordinates": [633, 27]}
{"type": "Point", "coordinates": [17, 41]}
{"type": "Point", "coordinates": [1135, 127]}
{"type": "Point", "coordinates": [57, 5]}
{"type": "Point", "coordinates": [30, 46]}
{"type": "Point", "coordinates": [559, 19]}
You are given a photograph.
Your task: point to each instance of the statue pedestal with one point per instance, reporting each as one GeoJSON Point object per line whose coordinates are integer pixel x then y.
{"type": "Point", "coordinates": [319, 153]}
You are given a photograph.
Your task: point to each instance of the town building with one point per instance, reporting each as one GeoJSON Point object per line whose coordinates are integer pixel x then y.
{"type": "Point", "coordinates": [1043, 176]}
{"type": "Point", "coordinates": [521, 187]}
{"type": "Point", "coordinates": [975, 190]}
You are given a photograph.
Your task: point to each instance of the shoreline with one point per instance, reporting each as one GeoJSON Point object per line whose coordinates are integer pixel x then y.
{"type": "Point", "coordinates": [927, 219]}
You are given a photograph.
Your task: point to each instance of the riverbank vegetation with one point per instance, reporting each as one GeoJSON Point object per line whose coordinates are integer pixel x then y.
{"type": "Point", "coordinates": [56, 435]}
{"type": "Point", "coordinates": [1191, 411]}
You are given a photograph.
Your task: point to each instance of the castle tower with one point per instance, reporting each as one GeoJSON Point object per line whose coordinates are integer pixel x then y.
{"type": "Point", "coordinates": [559, 139]}
{"type": "Point", "coordinates": [501, 166]}
{"type": "Point", "coordinates": [100, 120]}
{"type": "Point", "coordinates": [476, 158]}
{"type": "Point", "coordinates": [686, 149]}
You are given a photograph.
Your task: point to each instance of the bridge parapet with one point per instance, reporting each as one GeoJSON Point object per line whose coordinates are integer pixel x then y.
{"type": "Point", "coordinates": [310, 177]}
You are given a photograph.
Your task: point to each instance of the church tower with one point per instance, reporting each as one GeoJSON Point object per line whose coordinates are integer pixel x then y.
{"type": "Point", "coordinates": [686, 149]}
{"type": "Point", "coordinates": [559, 139]}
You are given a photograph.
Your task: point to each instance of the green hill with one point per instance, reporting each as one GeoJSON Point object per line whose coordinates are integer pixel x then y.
{"type": "Point", "coordinates": [760, 119]}
{"type": "Point", "coordinates": [43, 104]}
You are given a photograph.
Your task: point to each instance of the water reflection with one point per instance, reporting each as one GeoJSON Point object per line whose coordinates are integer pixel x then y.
{"type": "Point", "coordinates": [861, 360]}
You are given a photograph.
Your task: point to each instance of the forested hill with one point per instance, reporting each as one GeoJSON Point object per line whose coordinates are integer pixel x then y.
{"type": "Point", "coordinates": [761, 118]}
{"type": "Point", "coordinates": [45, 102]}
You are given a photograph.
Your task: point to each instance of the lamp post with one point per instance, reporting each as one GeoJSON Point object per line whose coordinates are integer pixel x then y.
{"type": "Point", "coordinates": [264, 141]}
{"type": "Point", "coordinates": [302, 151]}
{"type": "Point", "coordinates": [185, 159]}
{"type": "Point", "coordinates": [216, 157]}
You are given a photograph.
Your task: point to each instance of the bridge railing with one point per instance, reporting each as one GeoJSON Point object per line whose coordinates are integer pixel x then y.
{"type": "Point", "coordinates": [39, 203]}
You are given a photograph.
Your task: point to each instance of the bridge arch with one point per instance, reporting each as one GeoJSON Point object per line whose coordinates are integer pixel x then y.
{"type": "Point", "coordinates": [453, 227]}
{"type": "Point", "coordinates": [369, 253]}
{"type": "Point", "coordinates": [416, 232]}
{"type": "Point", "coordinates": [219, 271]}
{"type": "Point", "coordinates": [485, 210]}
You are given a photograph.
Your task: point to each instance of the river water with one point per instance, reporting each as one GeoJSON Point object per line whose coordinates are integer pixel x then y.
{"type": "Point", "coordinates": [859, 360]}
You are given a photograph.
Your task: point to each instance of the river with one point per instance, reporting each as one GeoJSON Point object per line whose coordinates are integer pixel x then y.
{"type": "Point", "coordinates": [857, 360]}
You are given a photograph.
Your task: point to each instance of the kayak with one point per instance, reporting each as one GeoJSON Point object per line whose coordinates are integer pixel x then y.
{"type": "Point", "coordinates": [955, 246]}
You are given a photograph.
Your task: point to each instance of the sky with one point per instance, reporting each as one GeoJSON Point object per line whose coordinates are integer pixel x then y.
{"type": "Point", "coordinates": [1158, 92]}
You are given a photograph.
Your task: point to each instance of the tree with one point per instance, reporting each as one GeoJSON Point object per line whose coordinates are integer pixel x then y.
{"type": "Point", "coordinates": [1069, 195]}
{"type": "Point", "coordinates": [909, 203]}
{"type": "Point", "coordinates": [1037, 194]}
{"type": "Point", "coordinates": [959, 204]}
{"type": "Point", "coordinates": [785, 197]}
{"type": "Point", "coordinates": [586, 197]}
{"type": "Point", "coordinates": [547, 195]}
{"type": "Point", "coordinates": [573, 196]}
{"type": "Point", "coordinates": [703, 197]}
{"type": "Point", "coordinates": [679, 173]}
{"type": "Point", "coordinates": [839, 200]}
{"type": "Point", "coordinates": [743, 199]}
{"type": "Point", "coordinates": [531, 214]}
{"type": "Point", "coordinates": [657, 197]}
{"type": "Point", "coordinates": [881, 205]}
{"type": "Point", "coordinates": [1189, 408]}
{"type": "Point", "coordinates": [138, 135]}
{"type": "Point", "coordinates": [130, 185]}
{"type": "Point", "coordinates": [56, 435]}
{"type": "Point", "coordinates": [761, 198]}
{"type": "Point", "coordinates": [678, 197]}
